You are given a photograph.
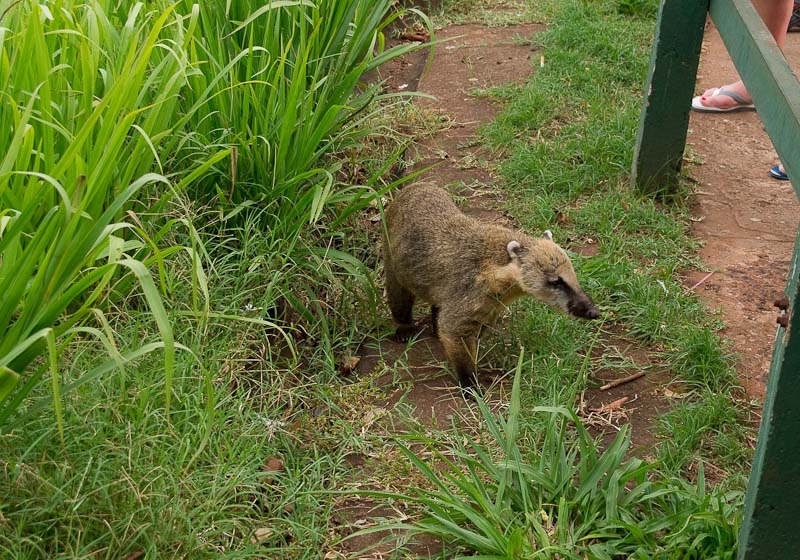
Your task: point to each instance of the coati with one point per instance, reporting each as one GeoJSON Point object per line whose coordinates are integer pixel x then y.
{"type": "Point", "coordinates": [468, 271]}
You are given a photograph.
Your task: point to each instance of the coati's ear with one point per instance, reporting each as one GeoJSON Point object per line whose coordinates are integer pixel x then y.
{"type": "Point", "coordinates": [514, 248]}
{"type": "Point", "coordinates": [548, 235]}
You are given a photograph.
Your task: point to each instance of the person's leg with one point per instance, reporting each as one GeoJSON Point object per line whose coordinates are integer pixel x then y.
{"type": "Point", "coordinates": [776, 15]}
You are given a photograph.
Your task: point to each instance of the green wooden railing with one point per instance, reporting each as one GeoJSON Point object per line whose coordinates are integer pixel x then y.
{"type": "Point", "coordinates": [771, 524]}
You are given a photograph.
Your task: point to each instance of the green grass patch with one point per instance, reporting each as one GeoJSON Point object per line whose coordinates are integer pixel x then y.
{"type": "Point", "coordinates": [186, 267]}
{"type": "Point", "coordinates": [558, 494]}
{"type": "Point", "coordinates": [568, 135]}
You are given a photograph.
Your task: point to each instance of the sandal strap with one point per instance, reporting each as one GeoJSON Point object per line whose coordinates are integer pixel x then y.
{"type": "Point", "coordinates": [733, 95]}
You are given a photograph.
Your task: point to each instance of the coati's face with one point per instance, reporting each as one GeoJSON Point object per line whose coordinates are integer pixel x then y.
{"type": "Point", "coordinates": [545, 272]}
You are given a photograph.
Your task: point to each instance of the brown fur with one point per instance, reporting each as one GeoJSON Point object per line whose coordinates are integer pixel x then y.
{"type": "Point", "coordinates": [468, 271]}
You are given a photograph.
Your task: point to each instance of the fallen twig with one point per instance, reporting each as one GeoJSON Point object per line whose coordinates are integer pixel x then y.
{"type": "Point", "coordinates": [703, 279]}
{"type": "Point", "coordinates": [622, 381]}
{"type": "Point", "coordinates": [612, 406]}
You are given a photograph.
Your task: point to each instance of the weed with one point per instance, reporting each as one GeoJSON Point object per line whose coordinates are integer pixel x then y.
{"type": "Point", "coordinates": [560, 496]}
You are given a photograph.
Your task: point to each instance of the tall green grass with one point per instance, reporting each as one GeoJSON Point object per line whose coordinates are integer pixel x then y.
{"type": "Point", "coordinates": [505, 494]}
{"type": "Point", "coordinates": [84, 105]}
{"type": "Point", "coordinates": [284, 84]}
{"type": "Point", "coordinates": [113, 107]}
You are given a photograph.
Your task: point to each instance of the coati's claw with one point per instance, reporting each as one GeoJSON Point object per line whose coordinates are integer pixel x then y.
{"type": "Point", "coordinates": [469, 393]}
{"type": "Point", "coordinates": [405, 333]}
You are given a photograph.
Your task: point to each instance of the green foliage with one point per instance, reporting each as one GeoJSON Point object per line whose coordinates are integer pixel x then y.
{"type": "Point", "coordinates": [113, 108]}
{"type": "Point", "coordinates": [177, 171]}
{"type": "Point", "coordinates": [283, 85]}
{"type": "Point", "coordinates": [565, 496]}
{"type": "Point", "coordinates": [85, 123]}
{"type": "Point", "coordinates": [709, 421]}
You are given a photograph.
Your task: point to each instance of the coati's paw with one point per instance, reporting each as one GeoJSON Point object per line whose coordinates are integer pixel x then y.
{"type": "Point", "coordinates": [405, 333]}
{"type": "Point", "coordinates": [469, 385]}
{"type": "Point", "coordinates": [470, 392]}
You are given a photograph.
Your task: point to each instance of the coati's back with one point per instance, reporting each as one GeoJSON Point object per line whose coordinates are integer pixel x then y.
{"type": "Point", "coordinates": [429, 242]}
{"type": "Point", "coordinates": [441, 255]}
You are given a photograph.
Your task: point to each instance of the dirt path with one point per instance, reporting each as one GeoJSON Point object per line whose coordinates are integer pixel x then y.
{"type": "Point", "coordinates": [747, 220]}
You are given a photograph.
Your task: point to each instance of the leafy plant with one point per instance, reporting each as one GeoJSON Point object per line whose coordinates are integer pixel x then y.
{"type": "Point", "coordinates": [565, 497]}
{"type": "Point", "coordinates": [128, 104]}
{"type": "Point", "coordinates": [86, 122]}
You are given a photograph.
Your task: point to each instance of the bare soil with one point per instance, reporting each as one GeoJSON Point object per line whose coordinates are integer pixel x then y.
{"type": "Point", "coordinates": [747, 220]}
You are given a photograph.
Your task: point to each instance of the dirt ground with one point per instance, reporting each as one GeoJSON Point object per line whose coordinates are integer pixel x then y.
{"type": "Point", "coordinates": [747, 220]}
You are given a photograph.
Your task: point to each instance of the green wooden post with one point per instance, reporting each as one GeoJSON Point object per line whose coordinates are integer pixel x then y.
{"type": "Point", "coordinates": [668, 92]}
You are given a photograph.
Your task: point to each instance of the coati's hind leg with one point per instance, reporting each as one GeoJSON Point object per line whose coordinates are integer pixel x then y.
{"type": "Point", "coordinates": [401, 304]}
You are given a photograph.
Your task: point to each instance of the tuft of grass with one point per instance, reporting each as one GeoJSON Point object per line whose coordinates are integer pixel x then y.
{"type": "Point", "coordinates": [559, 495]}
{"type": "Point", "coordinates": [707, 421]}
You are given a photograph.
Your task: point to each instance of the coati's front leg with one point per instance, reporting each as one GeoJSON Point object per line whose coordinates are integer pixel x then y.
{"type": "Point", "coordinates": [435, 320]}
{"type": "Point", "coordinates": [460, 344]}
{"type": "Point", "coordinates": [401, 304]}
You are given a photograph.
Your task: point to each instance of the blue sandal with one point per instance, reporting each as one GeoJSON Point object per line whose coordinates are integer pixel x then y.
{"type": "Point", "coordinates": [777, 173]}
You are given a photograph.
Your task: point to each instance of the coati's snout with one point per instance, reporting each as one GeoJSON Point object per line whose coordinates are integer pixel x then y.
{"type": "Point", "coordinates": [567, 296]}
{"type": "Point", "coordinates": [584, 308]}
{"type": "Point", "coordinates": [547, 274]}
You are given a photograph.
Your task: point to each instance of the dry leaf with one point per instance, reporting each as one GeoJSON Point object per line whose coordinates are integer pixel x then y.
{"type": "Point", "coordinates": [261, 535]}
{"type": "Point", "coordinates": [274, 464]}
{"type": "Point", "coordinates": [372, 415]}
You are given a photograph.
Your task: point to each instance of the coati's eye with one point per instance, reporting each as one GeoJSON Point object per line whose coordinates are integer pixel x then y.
{"type": "Point", "coordinates": [555, 281]}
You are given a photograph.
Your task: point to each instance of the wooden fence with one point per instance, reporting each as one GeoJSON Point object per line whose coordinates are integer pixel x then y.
{"type": "Point", "coordinates": [771, 524]}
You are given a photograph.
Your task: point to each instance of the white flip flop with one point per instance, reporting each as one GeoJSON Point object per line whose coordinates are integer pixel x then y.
{"type": "Point", "coordinates": [741, 103]}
